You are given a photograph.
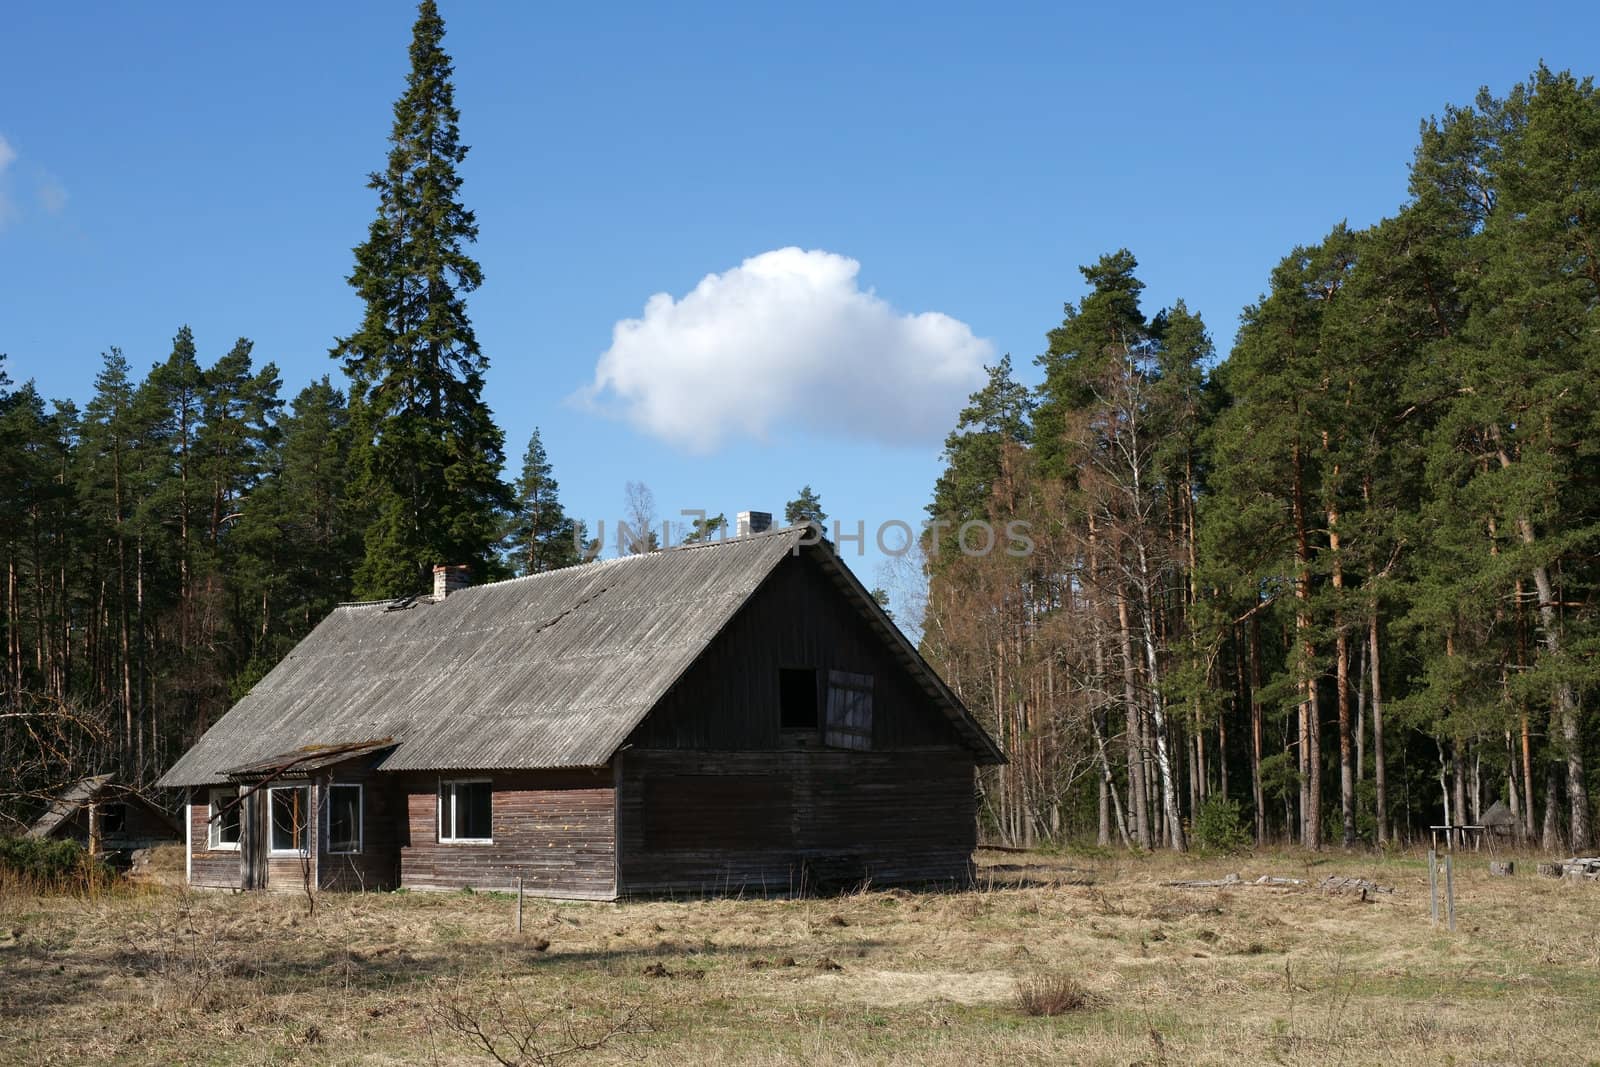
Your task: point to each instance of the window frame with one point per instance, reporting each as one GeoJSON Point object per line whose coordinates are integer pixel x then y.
{"type": "Point", "coordinates": [303, 850]}
{"type": "Point", "coordinates": [214, 842]}
{"type": "Point", "coordinates": [361, 819]}
{"type": "Point", "coordinates": [450, 784]}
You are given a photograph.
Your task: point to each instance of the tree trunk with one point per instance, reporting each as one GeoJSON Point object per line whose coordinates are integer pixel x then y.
{"type": "Point", "coordinates": [1310, 761]}
{"type": "Point", "coordinates": [1380, 777]}
{"type": "Point", "coordinates": [1257, 794]}
{"type": "Point", "coordinates": [1138, 793]}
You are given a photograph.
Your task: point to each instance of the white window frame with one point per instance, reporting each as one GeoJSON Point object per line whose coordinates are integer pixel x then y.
{"type": "Point", "coordinates": [361, 819]}
{"type": "Point", "coordinates": [450, 784]}
{"type": "Point", "coordinates": [213, 842]}
{"type": "Point", "coordinates": [296, 853]}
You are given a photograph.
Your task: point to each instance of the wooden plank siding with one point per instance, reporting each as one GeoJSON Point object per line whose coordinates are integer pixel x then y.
{"type": "Point", "coordinates": [825, 818]}
{"type": "Point", "coordinates": [383, 830]}
{"type": "Point", "coordinates": [554, 829]}
{"type": "Point", "coordinates": [213, 869]}
{"type": "Point", "coordinates": [713, 796]}
{"type": "Point", "coordinates": [728, 699]}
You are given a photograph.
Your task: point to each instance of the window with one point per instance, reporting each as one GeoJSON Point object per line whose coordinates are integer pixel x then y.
{"type": "Point", "coordinates": [797, 699]}
{"type": "Point", "coordinates": [222, 832]}
{"type": "Point", "coordinates": [113, 818]}
{"type": "Point", "coordinates": [344, 818]}
{"type": "Point", "coordinates": [464, 811]}
{"type": "Point", "coordinates": [291, 819]}
{"type": "Point", "coordinates": [849, 711]}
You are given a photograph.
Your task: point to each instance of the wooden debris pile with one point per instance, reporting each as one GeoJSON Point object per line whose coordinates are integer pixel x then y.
{"type": "Point", "coordinates": [1578, 868]}
{"type": "Point", "coordinates": [1368, 890]}
{"type": "Point", "coordinates": [1234, 880]}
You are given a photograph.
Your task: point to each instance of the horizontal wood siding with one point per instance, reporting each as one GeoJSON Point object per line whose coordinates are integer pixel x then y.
{"type": "Point", "coordinates": [908, 816]}
{"type": "Point", "coordinates": [728, 700]}
{"type": "Point", "coordinates": [215, 869]}
{"type": "Point", "coordinates": [554, 829]}
{"type": "Point", "coordinates": [383, 829]}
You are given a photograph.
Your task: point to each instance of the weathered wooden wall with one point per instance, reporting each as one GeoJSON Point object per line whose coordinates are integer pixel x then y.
{"type": "Point", "coordinates": [728, 700]}
{"type": "Point", "coordinates": [214, 869]}
{"type": "Point", "coordinates": [783, 821]}
{"type": "Point", "coordinates": [377, 865]}
{"type": "Point", "coordinates": [554, 829]}
{"type": "Point", "coordinates": [141, 828]}
{"type": "Point", "coordinates": [714, 796]}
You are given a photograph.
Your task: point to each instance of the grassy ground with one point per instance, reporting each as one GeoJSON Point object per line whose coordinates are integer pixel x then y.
{"type": "Point", "coordinates": [1236, 975]}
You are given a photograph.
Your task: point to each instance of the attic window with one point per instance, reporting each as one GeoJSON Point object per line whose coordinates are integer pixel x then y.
{"type": "Point", "coordinates": [849, 723]}
{"type": "Point", "coordinates": [797, 698]}
{"type": "Point", "coordinates": [222, 831]}
{"type": "Point", "coordinates": [113, 817]}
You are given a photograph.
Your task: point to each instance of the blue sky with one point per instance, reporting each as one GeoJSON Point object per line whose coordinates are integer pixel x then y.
{"type": "Point", "coordinates": [204, 164]}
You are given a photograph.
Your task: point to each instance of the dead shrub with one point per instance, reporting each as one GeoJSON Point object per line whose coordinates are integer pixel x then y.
{"type": "Point", "coordinates": [515, 1033]}
{"type": "Point", "coordinates": [1051, 995]}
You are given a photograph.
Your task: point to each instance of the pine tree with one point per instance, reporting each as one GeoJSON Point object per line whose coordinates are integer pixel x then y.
{"type": "Point", "coordinates": [428, 454]}
{"type": "Point", "coordinates": [542, 536]}
{"type": "Point", "coordinates": [805, 509]}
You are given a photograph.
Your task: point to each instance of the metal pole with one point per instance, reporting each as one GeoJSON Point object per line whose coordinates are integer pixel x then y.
{"type": "Point", "coordinates": [1433, 887]}
{"type": "Point", "coordinates": [1450, 891]}
{"type": "Point", "coordinates": [519, 904]}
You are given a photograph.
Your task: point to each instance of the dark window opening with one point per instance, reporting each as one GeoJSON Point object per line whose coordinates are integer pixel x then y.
{"type": "Point", "coordinates": [465, 811]}
{"type": "Point", "coordinates": [797, 698]}
{"type": "Point", "coordinates": [113, 818]}
{"type": "Point", "coordinates": [291, 818]}
{"type": "Point", "coordinates": [344, 818]}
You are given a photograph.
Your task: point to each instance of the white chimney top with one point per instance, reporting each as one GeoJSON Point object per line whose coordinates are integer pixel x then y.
{"type": "Point", "coordinates": [752, 522]}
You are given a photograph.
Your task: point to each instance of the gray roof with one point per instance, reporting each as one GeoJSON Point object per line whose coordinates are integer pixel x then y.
{"type": "Point", "coordinates": [97, 789]}
{"type": "Point", "coordinates": [552, 670]}
{"type": "Point", "coordinates": [67, 804]}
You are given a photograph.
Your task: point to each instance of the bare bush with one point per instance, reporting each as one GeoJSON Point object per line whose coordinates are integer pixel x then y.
{"type": "Point", "coordinates": [1051, 994]}
{"type": "Point", "coordinates": [515, 1033]}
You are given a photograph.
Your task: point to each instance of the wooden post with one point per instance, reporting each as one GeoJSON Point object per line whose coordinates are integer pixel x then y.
{"type": "Point", "coordinates": [519, 904]}
{"type": "Point", "coordinates": [1450, 890]}
{"type": "Point", "coordinates": [1433, 887]}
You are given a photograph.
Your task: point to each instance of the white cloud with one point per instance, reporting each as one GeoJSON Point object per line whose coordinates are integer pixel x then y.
{"type": "Point", "coordinates": [786, 340]}
{"type": "Point", "coordinates": [8, 155]}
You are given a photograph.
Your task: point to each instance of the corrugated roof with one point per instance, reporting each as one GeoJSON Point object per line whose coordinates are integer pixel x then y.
{"type": "Point", "coordinates": [552, 670]}
{"type": "Point", "coordinates": [67, 804]}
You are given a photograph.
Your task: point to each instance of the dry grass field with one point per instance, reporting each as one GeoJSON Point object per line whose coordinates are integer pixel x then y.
{"type": "Point", "coordinates": [1140, 972]}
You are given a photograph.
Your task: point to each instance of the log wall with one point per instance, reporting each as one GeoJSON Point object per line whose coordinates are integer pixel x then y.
{"type": "Point", "coordinates": [213, 869]}
{"type": "Point", "coordinates": [377, 865]}
{"type": "Point", "coordinates": [554, 829]}
{"type": "Point", "coordinates": [786, 821]}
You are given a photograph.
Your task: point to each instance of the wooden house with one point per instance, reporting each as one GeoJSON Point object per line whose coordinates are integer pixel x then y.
{"type": "Point", "coordinates": [105, 817]}
{"type": "Point", "coordinates": [735, 715]}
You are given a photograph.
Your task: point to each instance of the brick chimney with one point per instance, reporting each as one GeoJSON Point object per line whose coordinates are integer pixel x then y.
{"type": "Point", "coordinates": [752, 522]}
{"type": "Point", "coordinates": [447, 578]}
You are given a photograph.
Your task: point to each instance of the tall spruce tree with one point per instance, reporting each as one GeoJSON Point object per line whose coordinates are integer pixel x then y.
{"type": "Point", "coordinates": [542, 536]}
{"type": "Point", "coordinates": [428, 453]}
